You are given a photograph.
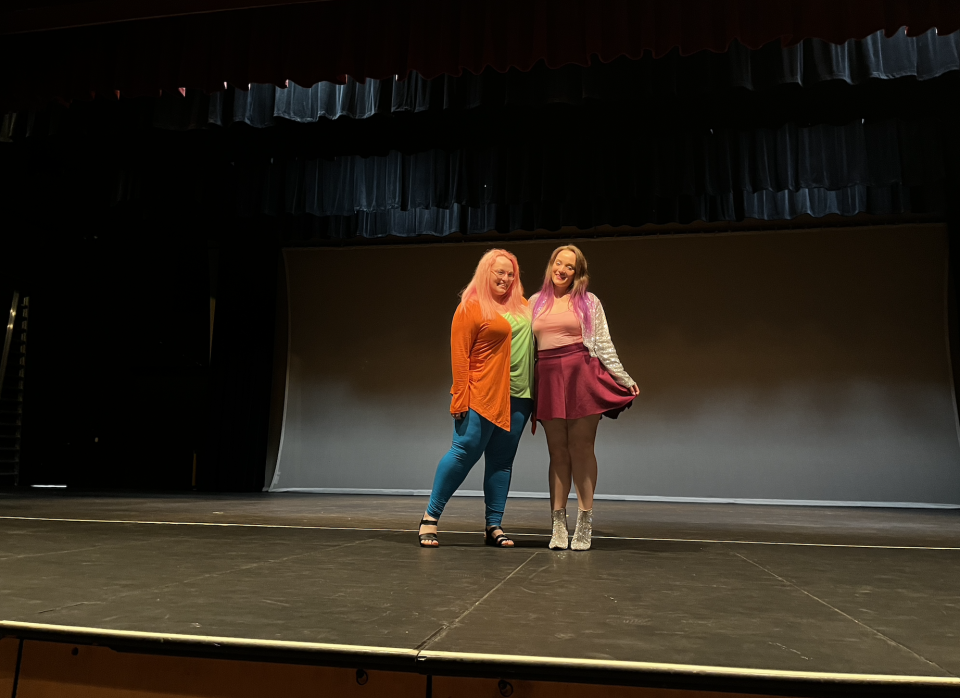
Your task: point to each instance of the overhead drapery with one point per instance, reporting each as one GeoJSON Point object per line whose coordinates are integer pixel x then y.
{"type": "Point", "coordinates": [653, 160]}
{"type": "Point", "coordinates": [654, 174]}
{"type": "Point", "coordinates": [813, 81]}
{"type": "Point", "coordinates": [326, 41]}
{"type": "Point", "coordinates": [813, 61]}
{"type": "Point", "coordinates": [632, 142]}
{"type": "Point", "coordinates": [762, 205]}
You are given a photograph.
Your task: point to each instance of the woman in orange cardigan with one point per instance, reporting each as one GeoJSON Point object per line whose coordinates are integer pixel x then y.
{"type": "Point", "coordinates": [491, 351]}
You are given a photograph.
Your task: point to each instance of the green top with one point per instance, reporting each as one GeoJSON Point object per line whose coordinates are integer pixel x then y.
{"type": "Point", "coordinates": [521, 357]}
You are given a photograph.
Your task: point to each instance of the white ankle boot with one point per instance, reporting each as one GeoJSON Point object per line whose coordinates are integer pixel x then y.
{"type": "Point", "coordinates": [559, 539]}
{"type": "Point", "coordinates": [582, 536]}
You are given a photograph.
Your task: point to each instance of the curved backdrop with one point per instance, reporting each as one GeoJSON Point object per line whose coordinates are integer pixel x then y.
{"type": "Point", "coordinates": [808, 366]}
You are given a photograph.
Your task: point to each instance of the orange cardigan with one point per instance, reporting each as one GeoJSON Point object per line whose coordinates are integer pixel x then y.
{"type": "Point", "coordinates": [480, 356]}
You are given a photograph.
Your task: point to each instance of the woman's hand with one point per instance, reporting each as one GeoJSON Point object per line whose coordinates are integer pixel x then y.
{"type": "Point", "coordinates": [634, 389]}
{"type": "Point", "coordinates": [459, 415]}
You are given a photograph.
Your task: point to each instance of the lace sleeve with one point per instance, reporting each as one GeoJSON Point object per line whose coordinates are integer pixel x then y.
{"type": "Point", "coordinates": [604, 348]}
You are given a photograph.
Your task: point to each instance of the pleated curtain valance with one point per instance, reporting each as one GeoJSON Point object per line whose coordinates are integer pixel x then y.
{"type": "Point", "coordinates": [810, 62]}
{"type": "Point", "coordinates": [312, 42]}
{"type": "Point", "coordinates": [664, 176]}
{"type": "Point", "coordinates": [621, 175]}
{"type": "Point", "coordinates": [624, 81]}
{"type": "Point", "coordinates": [765, 206]}
{"type": "Point", "coordinates": [664, 163]}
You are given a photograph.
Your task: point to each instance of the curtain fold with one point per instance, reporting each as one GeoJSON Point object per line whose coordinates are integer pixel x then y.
{"type": "Point", "coordinates": [576, 171]}
{"type": "Point", "coordinates": [660, 162]}
{"type": "Point", "coordinates": [528, 170]}
{"type": "Point", "coordinates": [761, 205]}
{"type": "Point", "coordinates": [313, 42]}
{"type": "Point", "coordinates": [667, 176]}
{"type": "Point", "coordinates": [671, 177]}
{"type": "Point", "coordinates": [808, 85]}
{"type": "Point", "coordinates": [811, 62]}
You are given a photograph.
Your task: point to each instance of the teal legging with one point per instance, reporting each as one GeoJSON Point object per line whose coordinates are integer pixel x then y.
{"type": "Point", "coordinates": [474, 436]}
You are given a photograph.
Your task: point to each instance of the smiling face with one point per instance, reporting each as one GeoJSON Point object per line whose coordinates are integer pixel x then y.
{"type": "Point", "coordinates": [563, 270]}
{"type": "Point", "coordinates": [502, 276]}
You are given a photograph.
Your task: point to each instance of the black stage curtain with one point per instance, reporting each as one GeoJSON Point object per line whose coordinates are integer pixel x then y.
{"type": "Point", "coordinates": [567, 167]}
{"type": "Point", "coordinates": [116, 370]}
{"type": "Point", "coordinates": [650, 160]}
{"type": "Point", "coordinates": [327, 41]}
{"type": "Point", "coordinates": [703, 74]}
{"type": "Point", "coordinates": [573, 173]}
{"type": "Point", "coordinates": [241, 363]}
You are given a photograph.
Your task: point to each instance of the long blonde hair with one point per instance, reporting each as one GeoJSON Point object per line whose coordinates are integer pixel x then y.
{"type": "Point", "coordinates": [579, 301]}
{"type": "Point", "coordinates": [479, 288]}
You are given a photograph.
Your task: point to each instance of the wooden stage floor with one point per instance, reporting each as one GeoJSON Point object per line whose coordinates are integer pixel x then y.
{"type": "Point", "coordinates": [869, 591]}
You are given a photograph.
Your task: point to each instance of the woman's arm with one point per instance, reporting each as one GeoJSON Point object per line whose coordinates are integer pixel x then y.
{"type": "Point", "coordinates": [606, 352]}
{"type": "Point", "coordinates": [463, 335]}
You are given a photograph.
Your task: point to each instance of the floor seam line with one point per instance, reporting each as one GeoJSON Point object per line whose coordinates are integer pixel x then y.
{"type": "Point", "coordinates": [70, 605]}
{"type": "Point", "coordinates": [419, 648]}
{"type": "Point", "coordinates": [876, 632]}
{"type": "Point", "coordinates": [446, 628]}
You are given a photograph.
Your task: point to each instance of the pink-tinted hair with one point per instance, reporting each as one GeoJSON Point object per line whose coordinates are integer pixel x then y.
{"type": "Point", "coordinates": [479, 288]}
{"type": "Point", "coordinates": [579, 300]}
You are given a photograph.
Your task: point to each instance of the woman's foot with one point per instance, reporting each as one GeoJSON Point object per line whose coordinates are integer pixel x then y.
{"type": "Point", "coordinates": [495, 536]}
{"type": "Point", "coordinates": [582, 537]}
{"type": "Point", "coordinates": [560, 533]}
{"type": "Point", "coordinates": [428, 532]}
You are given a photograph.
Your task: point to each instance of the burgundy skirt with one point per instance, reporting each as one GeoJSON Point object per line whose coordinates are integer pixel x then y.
{"type": "Point", "coordinates": [571, 384]}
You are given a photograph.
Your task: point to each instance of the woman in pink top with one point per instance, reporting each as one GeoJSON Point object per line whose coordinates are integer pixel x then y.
{"type": "Point", "coordinates": [578, 379]}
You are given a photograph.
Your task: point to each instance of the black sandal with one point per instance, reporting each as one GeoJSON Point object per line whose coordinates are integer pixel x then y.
{"type": "Point", "coordinates": [429, 536]}
{"type": "Point", "coordinates": [496, 541]}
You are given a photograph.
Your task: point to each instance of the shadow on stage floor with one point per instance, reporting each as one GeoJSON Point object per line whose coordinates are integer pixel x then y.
{"type": "Point", "coordinates": [732, 587]}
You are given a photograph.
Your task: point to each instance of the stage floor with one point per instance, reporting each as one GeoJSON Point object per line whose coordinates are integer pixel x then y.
{"type": "Point", "coordinates": [873, 591]}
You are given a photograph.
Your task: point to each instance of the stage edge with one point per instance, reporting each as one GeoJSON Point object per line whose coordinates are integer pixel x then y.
{"type": "Point", "coordinates": [528, 668]}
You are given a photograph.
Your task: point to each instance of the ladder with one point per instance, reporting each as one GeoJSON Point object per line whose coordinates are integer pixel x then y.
{"type": "Point", "coordinates": [12, 366]}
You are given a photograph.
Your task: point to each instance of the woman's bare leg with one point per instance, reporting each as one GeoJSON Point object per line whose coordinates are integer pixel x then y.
{"type": "Point", "coordinates": [560, 465]}
{"type": "Point", "coordinates": [581, 436]}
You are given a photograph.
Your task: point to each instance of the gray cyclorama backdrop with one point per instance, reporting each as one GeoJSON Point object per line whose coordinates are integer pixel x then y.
{"type": "Point", "coordinates": [805, 365]}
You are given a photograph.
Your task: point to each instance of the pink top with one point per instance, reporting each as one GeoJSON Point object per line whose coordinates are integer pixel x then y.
{"type": "Point", "coordinates": [557, 330]}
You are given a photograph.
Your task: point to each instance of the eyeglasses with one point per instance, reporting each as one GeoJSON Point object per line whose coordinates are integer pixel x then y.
{"type": "Point", "coordinates": [503, 274]}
